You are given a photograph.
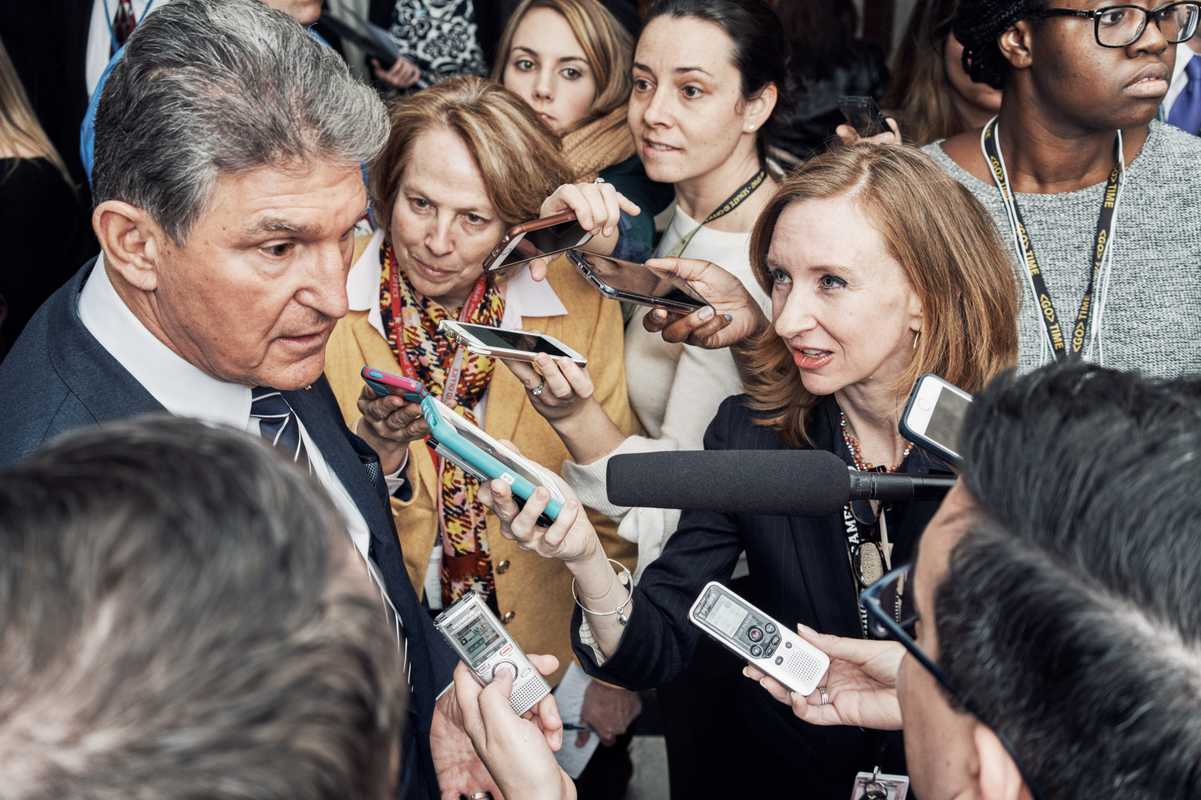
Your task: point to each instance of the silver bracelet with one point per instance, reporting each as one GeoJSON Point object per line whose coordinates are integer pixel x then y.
{"type": "Point", "coordinates": [626, 580]}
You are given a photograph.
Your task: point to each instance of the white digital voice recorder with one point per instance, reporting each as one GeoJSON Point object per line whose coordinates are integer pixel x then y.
{"type": "Point", "coordinates": [481, 641]}
{"type": "Point", "coordinates": [756, 637]}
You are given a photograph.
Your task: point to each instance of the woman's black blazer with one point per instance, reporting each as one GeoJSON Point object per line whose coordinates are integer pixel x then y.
{"type": "Point", "coordinates": [799, 571]}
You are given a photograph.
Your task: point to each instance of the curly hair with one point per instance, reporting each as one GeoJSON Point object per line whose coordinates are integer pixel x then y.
{"type": "Point", "coordinates": [978, 25]}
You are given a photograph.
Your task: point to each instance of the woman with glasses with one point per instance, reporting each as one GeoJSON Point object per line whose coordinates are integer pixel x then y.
{"type": "Point", "coordinates": [879, 268]}
{"type": "Point", "coordinates": [1098, 201]}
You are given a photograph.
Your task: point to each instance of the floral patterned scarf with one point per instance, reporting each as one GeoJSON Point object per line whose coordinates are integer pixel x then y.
{"type": "Point", "coordinates": [430, 355]}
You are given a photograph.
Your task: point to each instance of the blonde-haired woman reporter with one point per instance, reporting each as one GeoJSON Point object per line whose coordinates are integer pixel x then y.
{"type": "Point", "coordinates": [466, 160]}
{"type": "Point", "coordinates": [880, 268]}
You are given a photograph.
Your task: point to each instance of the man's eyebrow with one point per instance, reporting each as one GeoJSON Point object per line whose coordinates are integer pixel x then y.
{"type": "Point", "coordinates": [276, 225]}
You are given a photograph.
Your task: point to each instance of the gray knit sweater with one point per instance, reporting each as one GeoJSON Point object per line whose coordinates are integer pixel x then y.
{"type": "Point", "coordinates": [1151, 320]}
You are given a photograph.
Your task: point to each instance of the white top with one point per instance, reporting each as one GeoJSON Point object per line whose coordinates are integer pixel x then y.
{"type": "Point", "coordinates": [524, 297]}
{"type": "Point", "coordinates": [1179, 77]}
{"type": "Point", "coordinates": [674, 389]}
{"type": "Point", "coordinates": [100, 36]}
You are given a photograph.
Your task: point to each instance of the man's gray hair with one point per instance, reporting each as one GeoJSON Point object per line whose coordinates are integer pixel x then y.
{"type": "Point", "coordinates": [182, 616]}
{"type": "Point", "coordinates": [208, 87]}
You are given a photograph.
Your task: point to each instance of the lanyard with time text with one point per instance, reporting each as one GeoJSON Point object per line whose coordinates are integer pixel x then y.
{"type": "Point", "coordinates": [732, 202]}
{"type": "Point", "coordinates": [990, 143]}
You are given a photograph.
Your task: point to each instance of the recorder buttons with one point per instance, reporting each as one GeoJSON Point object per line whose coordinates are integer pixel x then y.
{"type": "Point", "coordinates": [779, 660]}
{"type": "Point", "coordinates": [769, 628]}
{"type": "Point", "coordinates": [756, 650]}
{"type": "Point", "coordinates": [507, 666]}
{"type": "Point", "coordinates": [755, 634]}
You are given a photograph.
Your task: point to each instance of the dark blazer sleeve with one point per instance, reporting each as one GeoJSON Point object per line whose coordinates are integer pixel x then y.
{"type": "Point", "coordinates": [659, 640]}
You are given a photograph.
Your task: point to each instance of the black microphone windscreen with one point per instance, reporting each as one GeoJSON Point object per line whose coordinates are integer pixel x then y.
{"type": "Point", "coordinates": [735, 481]}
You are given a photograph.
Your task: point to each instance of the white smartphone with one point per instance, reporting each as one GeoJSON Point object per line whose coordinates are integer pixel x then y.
{"type": "Point", "coordinates": [474, 632]}
{"type": "Point", "coordinates": [933, 417]}
{"type": "Point", "coordinates": [760, 640]}
{"type": "Point", "coordinates": [513, 345]}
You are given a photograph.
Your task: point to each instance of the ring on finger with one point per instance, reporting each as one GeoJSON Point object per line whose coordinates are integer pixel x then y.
{"type": "Point", "coordinates": [539, 389]}
{"type": "Point", "coordinates": [823, 695]}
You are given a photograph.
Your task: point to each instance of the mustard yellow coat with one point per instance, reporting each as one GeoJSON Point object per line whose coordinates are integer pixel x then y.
{"type": "Point", "coordinates": [532, 593]}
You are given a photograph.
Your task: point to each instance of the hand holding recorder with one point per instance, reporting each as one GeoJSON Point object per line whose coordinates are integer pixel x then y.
{"type": "Point", "coordinates": [859, 688]}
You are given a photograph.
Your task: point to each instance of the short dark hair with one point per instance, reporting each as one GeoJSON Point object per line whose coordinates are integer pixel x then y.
{"type": "Point", "coordinates": [1070, 615]}
{"type": "Point", "coordinates": [177, 621]}
{"type": "Point", "coordinates": [978, 25]}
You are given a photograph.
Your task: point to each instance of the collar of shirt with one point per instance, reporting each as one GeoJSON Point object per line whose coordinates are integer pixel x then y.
{"type": "Point", "coordinates": [524, 296]}
{"type": "Point", "coordinates": [181, 387]}
{"type": "Point", "coordinates": [1179, 78]}
{"type": "Point", "coordinates": [97, 55]}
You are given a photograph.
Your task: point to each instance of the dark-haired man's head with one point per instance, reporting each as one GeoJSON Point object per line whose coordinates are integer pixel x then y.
{"type": "Point", "coordinates": [180, 618]}
{"type": "Point", "coordinates": [1059, 590]}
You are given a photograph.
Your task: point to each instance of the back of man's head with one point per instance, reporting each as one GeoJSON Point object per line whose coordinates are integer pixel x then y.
{"type": "Point", "coordinates": [179, 618]}
{"type": "Point", "coordinates": [1070, 615]}
{"type": "Point", "coordinates": [208, 87]}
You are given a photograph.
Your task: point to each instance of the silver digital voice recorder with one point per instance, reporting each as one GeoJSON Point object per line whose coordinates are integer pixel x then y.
{"type": "Point", "coordinates": [756, 637]}
{"type": "Point", "coordinates": [481, 641]}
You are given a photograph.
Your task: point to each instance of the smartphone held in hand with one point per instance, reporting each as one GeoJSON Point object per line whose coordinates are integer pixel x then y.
{"type": "Point", "coordinates": [537, 238]}
{"type": "Point", "coordinates": [511, 345]}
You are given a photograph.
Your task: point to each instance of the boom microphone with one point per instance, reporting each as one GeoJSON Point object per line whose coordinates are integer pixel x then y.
{"type": "Point", "coordinates": [812, 482]}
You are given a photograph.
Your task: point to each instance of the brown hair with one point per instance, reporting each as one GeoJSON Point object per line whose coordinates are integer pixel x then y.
{"type": "Point", "coordinates": [517, 156]}
{"type": "Point", "coordinates": [919, 90]}
{"type": "Point", "coordinates": [951, 254]}
{"type": "Point", "coordinates": [20, 133]}
{"type": "Point", "coordinates": [608, 48]}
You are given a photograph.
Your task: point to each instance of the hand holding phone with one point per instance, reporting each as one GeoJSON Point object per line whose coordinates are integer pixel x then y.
{"type": "Point", "coordinates": [933, 417]}
{"type": "Point", "coordinates": [392, 415]}
{"type": "Point", "coordinates": [865, 121]}
{"type": "Point", "coordinates": [537, 239]}
{"type": "Point", "coordinates": [507, 344]}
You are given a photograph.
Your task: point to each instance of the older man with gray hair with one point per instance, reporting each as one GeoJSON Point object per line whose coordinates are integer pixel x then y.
{"type": "Point", "coordinates": [227, 188]}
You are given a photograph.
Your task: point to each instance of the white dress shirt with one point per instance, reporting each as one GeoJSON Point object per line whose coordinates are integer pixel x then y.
{"type": "Point", "coordinates": [1179, 78]}
{"type": "Point", "coordinates": [524, 297]}
{"type": "Point", "coordinates": [186, 391]}
{"type": "Point", "coordinates": [100, 35]}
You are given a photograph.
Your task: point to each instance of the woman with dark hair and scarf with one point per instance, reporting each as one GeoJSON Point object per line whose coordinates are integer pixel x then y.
{"type": "Point", "coordinates": [1098, 200]}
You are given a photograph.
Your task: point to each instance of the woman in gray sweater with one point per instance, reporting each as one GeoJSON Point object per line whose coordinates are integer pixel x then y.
{"type": "Point", "coordinates": [1099, 202]}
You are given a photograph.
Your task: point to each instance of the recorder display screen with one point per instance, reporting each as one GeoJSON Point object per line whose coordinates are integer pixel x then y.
{"type": "Point", "coordinates": [477, 638]}
{"type": "Point", "coordinates": [727, 616]}
{"type": "Point", "coordinates": [947, 420]}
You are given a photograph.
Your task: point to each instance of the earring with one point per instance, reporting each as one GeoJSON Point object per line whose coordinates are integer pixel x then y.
{"type": "Point", "coordinates": [916, 335]}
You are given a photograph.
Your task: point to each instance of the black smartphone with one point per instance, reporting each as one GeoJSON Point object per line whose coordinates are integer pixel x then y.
{"type": "Point", "coordinates": [635, 283]}
{"type": "Point", "coordinates": [863, 115]}
{"type": "Point", "coordinates": [536, 238]}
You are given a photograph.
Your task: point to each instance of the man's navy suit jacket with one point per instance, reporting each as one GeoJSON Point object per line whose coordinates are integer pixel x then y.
{"type": "Point", "coordinates": [58, 377]}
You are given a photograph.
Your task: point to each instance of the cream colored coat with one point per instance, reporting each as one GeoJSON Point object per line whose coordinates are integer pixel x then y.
{"type": "Point", "coordinates": [532, 593]}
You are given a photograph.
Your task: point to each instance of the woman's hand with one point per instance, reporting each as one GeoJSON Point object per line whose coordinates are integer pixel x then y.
{"type": "Point", "coordinates": [859, 689]}
{"type": "Point", "coordinates": [849, 135]}
{"type": "Point", "coordinates": [558, 387]}
{"type": "Point", "coordinates": [571, 538]}
{"type": "Point", "coordinates": [388, 424]}
{"type": "Point", "coordinates": [731, 316]}
{"type": "Point", "coordinates": [597, 207]}
{"type": "Point", "coordinates": [401, 75]}
{"type": "Point", "coordinates": [516, 751]}
{"type": "Point", "coordinates": [608, 710]}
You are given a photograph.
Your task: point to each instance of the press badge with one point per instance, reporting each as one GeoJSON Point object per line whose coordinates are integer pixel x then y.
{"type": "Point", "coordinates": [875, 786]}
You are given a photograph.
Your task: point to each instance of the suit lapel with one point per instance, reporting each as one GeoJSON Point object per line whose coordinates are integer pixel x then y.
{"type": "Point", "coordinates": [321, 419]}
{"type": "Point", "coordinates": [102, 385]}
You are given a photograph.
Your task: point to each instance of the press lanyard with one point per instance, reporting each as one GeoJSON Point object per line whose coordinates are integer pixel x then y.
{"type": "Point", "coordinates": [990, 143]}
{"type": "Point", "coordinates": [732, 202]}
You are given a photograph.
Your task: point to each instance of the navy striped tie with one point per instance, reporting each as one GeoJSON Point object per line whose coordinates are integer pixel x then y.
{"type": "Point", "coordinates": [278, 423]}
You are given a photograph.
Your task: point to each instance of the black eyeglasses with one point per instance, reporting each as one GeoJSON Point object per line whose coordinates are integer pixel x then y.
{"type": "Point", "coordinates": [1121, 26]}
{"type": "Point", "coordinates": [882, 601]}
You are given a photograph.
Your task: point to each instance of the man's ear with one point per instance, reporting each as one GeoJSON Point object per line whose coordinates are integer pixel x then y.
{"type": "Point", "coordinates": [758, 109]}
{"type": "Point", "coordinates": [132, 241]}
{"type": "Point", "coordinates": [999, 777]}
{"type": "Point", "coordinates": [1016, 45]}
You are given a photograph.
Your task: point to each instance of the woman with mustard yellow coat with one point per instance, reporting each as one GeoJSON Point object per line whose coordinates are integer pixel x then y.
{"type": "Point", "coordinates": [467, 160]}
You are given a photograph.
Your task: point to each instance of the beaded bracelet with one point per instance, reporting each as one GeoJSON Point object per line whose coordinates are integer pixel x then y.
{"type": "Point", "coordinates": [626, 580]}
